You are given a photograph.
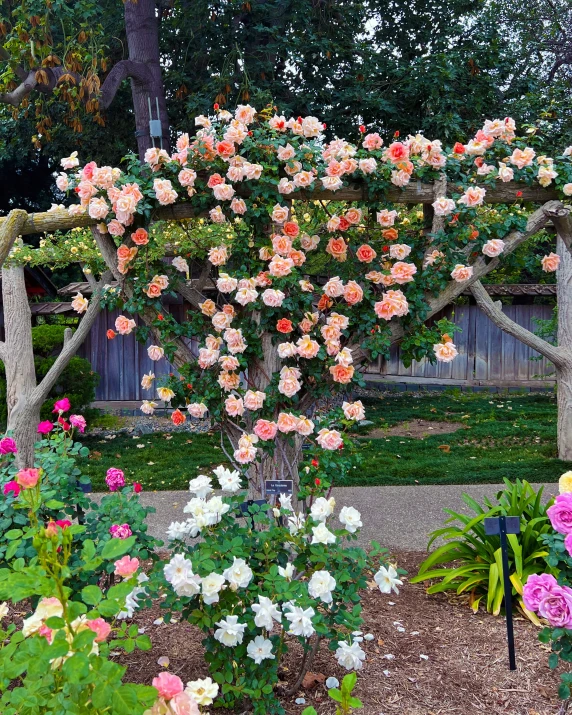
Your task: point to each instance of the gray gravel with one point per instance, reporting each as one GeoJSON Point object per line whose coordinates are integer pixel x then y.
{"type": "Point", "coordinates": [398, 517]}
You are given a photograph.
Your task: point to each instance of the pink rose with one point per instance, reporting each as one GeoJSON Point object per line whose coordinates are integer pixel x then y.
{"type": "Point", "coordinates": [28, 478]}
{"type": "Point", "coordinates": [115, 479]}
{"type": "Point", "coordinates": [11, 487]}
{"type": "Point", "coordinates": [197, 409]}
{"type": "Point", "coordinates": [123, 325]}
{"type": "Point", "coordinates": [393, 303]}
{"type": "Point", "coordinates": [287, 422]}
{"type": "Point", "coordinates": [126, 566]}
{"type": "Point", "coordinates": [234, 406]}
{"type": "Point", "coordinates": [79, 422]}
{"type": "Point", "coordinates": [8, 446]}
{"type": "Point", "coordinates": [560, 513]}
{"type": "Point", "coordinates": [62, 405]}
{"type": "Point", "coordinates": [536, 587]}
{"type": "Point", "coordinates": [45, 427]}
{"type": "Point", "coordinates": [461, 273]}
{"type": "Point", "coordinates": [265, 429]}
{"type": "Point", "coordinates": [253, 400]}
{"type": "Point", "coordinates": [115, 228]}
{"type": "Point", "coordinates": [372, 141]}
{"type": "Point", "coordinates": [168, 685]}
{"type": "Point", "coordinates": [353, 410]}
{"type": "Point", "coordinates": [472, 197]}
{"type": "Point", "coordinates": [445, 352]}
{"type": "Point", "coordinates": [493, 248]}
{"type": "Point", "coordinates": [556, 606]}
{"type": "Point", "coordinates": [120, 531]}
{"type": "Point", "coordinates": [100, 627]}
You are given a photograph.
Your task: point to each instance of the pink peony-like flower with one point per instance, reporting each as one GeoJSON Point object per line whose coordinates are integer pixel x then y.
{"type": "Point", "coordinates": [168, 685]}
{"type": "Point", "coordinates": [445, 352]}
{"type": "Point", "coordinates": [493, 248]}
{"type": "Point", "coordinates": [8, 446]}
{"type": "Point", "coordinates": [120, 531]}
{"type": "Point", "coordinates": [123, 325]}
{"type": "Point", "coordinates": [183, 704]}
{"type": "Point", "coordinates": [254, 399]}
{"type": "Point", "coordinates": [354, 410]}
{"type": "Point", "coordinates": [556, 606]}
{"type": "Point", "coordinates": [45, 427]}
{"type": "Point", "coordinates": [265, 430]}
{"type": "Point", "coordinates": [28, 478]}
{"type": "Point", "coordinates": [402, 272]}
{"type": "Point", "coordinates": [560, 513]}
{"type": "Point", "coordinates": [62, 405]}
{"type": "Point", "coordinates": [101, 628]}
{"type": "Point", "coordinates": [115, 479]}
{"type": "Point", "coordinates": [11, 488]}
{"type": "Point", "coordinates": [234, 406]}
{"type": "Point", "coordinates": [461, 273]}
{"type": "Point", "coordinates": [79, 422]}
{"type": "Point", "coordinates": [536, 588]}
{"type": "Point", "coordinates": [287, 422]}
{"type": "Point", "coordinates": [126, 566]}
{"type": "Point", "coordinates": [197, 409]}
{"type": "Point", "coordinates": [393, 303]}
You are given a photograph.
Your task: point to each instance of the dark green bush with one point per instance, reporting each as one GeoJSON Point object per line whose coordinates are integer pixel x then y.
{"type": "Point", "coordinates": [77, 382]}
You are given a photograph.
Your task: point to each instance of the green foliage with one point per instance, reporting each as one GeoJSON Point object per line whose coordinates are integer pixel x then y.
{"type": "Point", "coordinates": [47, 339]}
{"type": "Point", "coordinates": [477, 569]}
{"type": "Point", "coordinates": [347, 703]}
{"type": "Point", "coordinates": [67, 667]}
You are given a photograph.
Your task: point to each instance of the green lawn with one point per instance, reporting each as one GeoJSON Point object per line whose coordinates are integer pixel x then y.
{"type": "Point", "coordinates": [508, 435]}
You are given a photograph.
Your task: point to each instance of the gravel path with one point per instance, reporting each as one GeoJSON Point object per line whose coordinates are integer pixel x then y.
{"type": "Point", "coordinates": [397, 517]}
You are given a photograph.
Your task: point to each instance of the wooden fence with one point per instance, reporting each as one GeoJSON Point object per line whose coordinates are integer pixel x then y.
{"type": "Point", "coordinates": [487, 356]}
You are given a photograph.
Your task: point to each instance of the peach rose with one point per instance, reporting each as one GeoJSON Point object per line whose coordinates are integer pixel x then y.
{"type": "Point", "coordinates": [287, 422]}
{"type": "Point", "coordinates": [98, 208]}
{"type": "Point", "coordinates": [225, 149]}
{"type": "Point", "coordinates": [281, 245]}
{"type": "Point", "coordinates": [396, 152]}
{"type": "Point", "coordinates": [164, 192]}
{"type": "Point", "coordinates": [265, 429]}
{"type": "Point", "coordinates": [229, 362]}
{"type": "Point", "coordinates": [342, 373]}
{"type": "Point", "coordinates": [334, 288]}
{"type": "Point", "coordinates": [197, 409]}
{"type": "Point", "coordinates": [493, 248]}
{"type": "Point", "coordinates": [353, 293]}
{"type": "Point", "coordinates": [155, 352]}
{"type": "Point", "coordinates": [140, 237]}
{"type": "Point", "coordinates": [289, 386]}
{"type": "Point", "coordinates": [217, 215]}
{"type": "Point", "coordinates": [213, 343]}
{"type": "Point", "coordinates": [220, 321]}
{"type": "Point", "coordinates": [329, 439]}
{"type": "Point", "coordinates": [372, 141]}
{"type": "Point", "coordinates": [393, 303]}
{"type": "Point", "coordinates": [365, 253]}
{"type": "Point", "coordinates": [309, 243]}
{"type": "Point", "coordinates": [280, 267]}
{"type": "Point", "coordinates": [226, 283]}
{"type": "Point", "coordinates": [215, 180]}
{"type": "Point", "coordinates": [567, 189]}
{"type": "Point", "coordinates": [399, 250]}
{"type": "Point", "coordinates": [402, 272]}
{"type": "Point", "coordinates": [337, 248]}
{"type": "Point", "coordinates": [368, 166]}
{"type": "Point", "coordinates": [522, 157]}
{"type": "Point", "coordinates": [443, 206]}
{"type": "Point", "coordinates": [254, 399]}
{"type": "Point", "coordinates": [445, 352]}
{"type": "Point", "coordinates": [550, 263]}
{"type": "Point", "coordinates": [285, 153]}
{"type": "Point", "coordinates": [291, 229]}
{"type": "Point", "coordinates": [338, 320]}
{"type": "Point", "coordinates": [124, 325]}
{"type": "Point", "coordinates": [307, 348]}
{"type": "Point", "coordinates": [208, 308]}
{"type": "Point", "coordinates": [229, 380]}
{"type": "Point", "coordinates": [303, 179]}
{"type": "Point", "coordinates": [354, 216]}
{"type": "Point", "coordinates": [284, 325]}
{"type": "Point", "coordinates": [207, 358]}
{"type": "Point", "coordinates": [279, 213]}
{"type": "Point", "coordinates": [273, 298]}
{"type": "Point", "coordinates": [153, 290]}
{"type": "Point", "coordinates": [304, 426]}
{"type": "Point", "coordinates": [115, 228]}
{"type": "Point", "coordinates": [238, 206]}
{"type": "Point", "coordinates": [354, 410]}
{"type": "Point", "coordinates": [461, 273]}
{"type": "Point", "coordinates": [234, 406]}
{"type": "Point", "coordinates": [473, 196]}
{"type": "Point", "coordinates": [234, 340]}
{"type": "Point", "coordinates": [286, 350]}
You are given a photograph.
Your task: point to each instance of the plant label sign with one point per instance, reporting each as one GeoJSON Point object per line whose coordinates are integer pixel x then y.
{"type": "Point", "coordinates": [279, 486]}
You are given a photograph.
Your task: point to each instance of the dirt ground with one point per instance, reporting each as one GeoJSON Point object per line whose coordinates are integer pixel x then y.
{"type": "Point", "coordinates": [419, 429]}
{"type": "Point", "coordinates": [430, 656]}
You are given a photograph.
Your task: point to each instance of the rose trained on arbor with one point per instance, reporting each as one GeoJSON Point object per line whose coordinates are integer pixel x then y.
{"type": "Point", "coordinates": [272, 342]}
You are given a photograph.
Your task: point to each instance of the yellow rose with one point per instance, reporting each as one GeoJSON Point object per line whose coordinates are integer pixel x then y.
{"type": "Point", "coordinates": [565, 483]}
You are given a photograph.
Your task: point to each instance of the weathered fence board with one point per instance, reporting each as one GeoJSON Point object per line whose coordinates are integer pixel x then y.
{"type": "Point", "coordinates": [486, 356]}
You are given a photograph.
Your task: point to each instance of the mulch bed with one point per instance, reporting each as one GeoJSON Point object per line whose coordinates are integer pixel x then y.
{"type": "Point", "coordinates": [465, 671]}
{"type": "Point", "coordinates": [418, 429]}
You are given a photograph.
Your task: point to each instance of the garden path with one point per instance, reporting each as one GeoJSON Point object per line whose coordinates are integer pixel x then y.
{"type": "Point", "coordinates": [397, 517]}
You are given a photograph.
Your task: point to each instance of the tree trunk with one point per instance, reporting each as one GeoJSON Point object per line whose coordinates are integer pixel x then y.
{"type": "Point", "coordinates": [564, 372]}
{"type": "Point", "coordinates": [23, 415]}
{"type": "Point", "coordinates": [142, 30]}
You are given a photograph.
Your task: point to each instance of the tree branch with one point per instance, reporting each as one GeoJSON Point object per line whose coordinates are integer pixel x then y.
{"type": "Point", "coordinates": [502, 321]}
{"type": "Point", "coordinates": [562, 220]}
{"type": "Point", "coordinates": [10, 228]}
{"type": "Point", "coordinates": [137, 71]}
{"type": "Point", "coordinates": [18, 69]}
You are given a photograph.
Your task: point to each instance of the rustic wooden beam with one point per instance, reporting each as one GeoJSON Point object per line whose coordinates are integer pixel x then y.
{"type": "Point", "coordinates": [414, 193]}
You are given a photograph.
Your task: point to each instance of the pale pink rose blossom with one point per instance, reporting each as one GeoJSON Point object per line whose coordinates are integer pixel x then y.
{"type": "Point", "coordinates": [155, 352]}
{"type": "Point", "coordinates": [393, 303]}
{"type": "Point", "coordinates": [386, 218]}
{"type": "Point", "coordinates": [353, 293]}
{"type": "Point", "coordinates": [197, 409]}
{"type": "Point", "coordinates": [493, 248]}
{"type": "Point", "coordinates": [280, 267]}
{"type": "Point", "coordinates": [254, 399]}
{"type": "Point", "coordinates": [164, 192]}
{"type": "Point", "coordinates": [265, 429]}
{"type": "Point", "coordinates": [307, 348]}
{"type": "Point", "coordinates": [79, 303]}
{"type": "Point", "coordinates": [304, 426]}
{"type": "Point", "coordinates": [354, 410]}
{"type": "Point", "coordinates": [217, 215]}
{"type": "Point", "coordinates": [368, 166]}
{"type": "Point", "coordinates": [124, 325]}
{"type": "Point", "coordinates": [461, 273]}
{"type": "Point", "coordinates": [402, 272]}
{"type": "Point", "coordinates": [286, 350]}
{"type": "Point", "coordinates": [287, 422]}
{"type": "Point", "coordinates": [207, 358]}
{"type": "Point", "coordinates": [522, 157]}
{"type": "Point", "coordinates": [443, 206]}
{"type": "Point", "coordinates": [273, 298]}
{"type": "Point", "coordinates": [226, 283]}
{"type": "Point", "coordinates": [334, 288]}
{"type": "Point", "coordinates": [445, 352]}
{"type": "Point", "coordinates": [399, 250]}
{"type": "Point", "coordinates": [550, 262]}
{"type": "Point", "coordinates": [472, 197]}
{"type": "Point", "coordinates": [234, 406]}
{"type": "Point", "coordinates": [329, 439]}
{"type": "Point", "coordinates": [285, 153]}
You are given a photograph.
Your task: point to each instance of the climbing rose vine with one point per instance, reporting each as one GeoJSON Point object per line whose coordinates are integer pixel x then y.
{"type": "Point", "coordinates": [271, 337]}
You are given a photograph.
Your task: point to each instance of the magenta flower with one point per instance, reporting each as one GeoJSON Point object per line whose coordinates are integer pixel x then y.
{"type": "Point", "coordinates": [13, 487]}
{"type": "Point", "coordinates": [560, 513]}
{"type": "Point", "coordinates": [8, 446]}
{"type": "Point", "coordinates": [120, 531]}
{"type": "Point", "coordinates": [115, 479]}
{"type": "Point", "coordinates": [45, 427]}
{"type": "Point", "coordinates": [536, 588]}
{"type": "Point", "coordinates": [62, 405]}
{"type": "Point", "coordinates": [556, 607]}
{"type": "Point", "coordinates": [79, 422]}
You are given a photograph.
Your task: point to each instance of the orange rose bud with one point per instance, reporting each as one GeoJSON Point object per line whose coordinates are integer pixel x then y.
{"type": "Point", "coordinates": [479, 161]}
{"type": "Point", "coordinates": [160, 317]}
{"type": "Point", "coordinates": [362, 128]}
{"type": "Point", "coordinates": [189, 385]}
{"type": "Point", "coordinates": [317, 482]}
{"type": "Point", "coordinates": [177, 418]}
{"type": "Point", "coordinates": [111, 334]}
{"type": "Point", "coordinates": [215, 106]}
{"type": "Point", "coordinates": [315, 463]}
{"type": "Point", "coordinates": [390, 234]}
{"type": "Point", "coordinates": [324, 303]}
{"type": "Point", "coordinates": [474, 234]}
{"type": "Point", "coordinates": [446, 339]}
{"type": "Point", "coordinates": [518, 194]}
{"type": "Point", "coordinates": [458, 148]}
{"type": "Point", "coordinates": [284, 326]}
{"type": "Point", "coordinates": [396, 134]}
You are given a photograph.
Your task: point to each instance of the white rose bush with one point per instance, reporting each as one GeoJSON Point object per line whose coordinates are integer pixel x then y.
{"type": "Point", "coordinates": [259, 581]}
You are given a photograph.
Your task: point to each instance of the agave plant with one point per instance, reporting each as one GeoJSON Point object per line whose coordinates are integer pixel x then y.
{"type": "Point", "coordinates": [476, 557]}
